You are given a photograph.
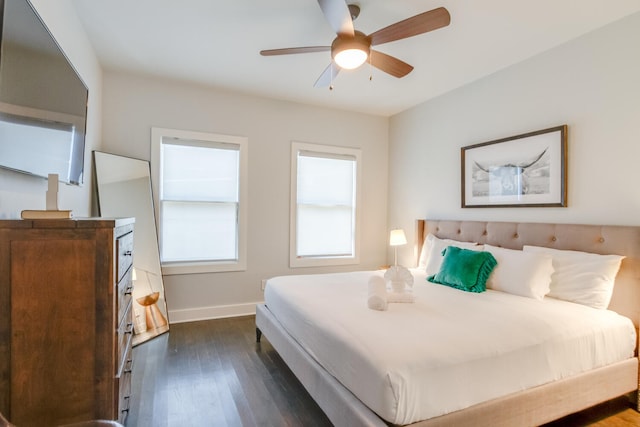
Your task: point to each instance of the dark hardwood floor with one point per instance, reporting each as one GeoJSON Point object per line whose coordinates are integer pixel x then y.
{"type": "Point", "coordinates": [213, 373]}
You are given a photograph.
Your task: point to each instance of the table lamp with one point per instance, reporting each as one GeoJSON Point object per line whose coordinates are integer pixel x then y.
{"type": "Point", "coordinates": [397, 238]}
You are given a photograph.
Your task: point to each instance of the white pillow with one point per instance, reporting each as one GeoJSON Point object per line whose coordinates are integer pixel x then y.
{"type": "Point", "coordinates": [431, 256]}
{"type": "Point", "coordinates": [527, 274]}
{"type": "Point", "coordinates": [424, 252]}
{"type": "Point", "coordinates": [581, 277]}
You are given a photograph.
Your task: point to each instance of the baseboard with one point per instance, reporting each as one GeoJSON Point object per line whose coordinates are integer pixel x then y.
{"type": "Point", "coordinates": [213, 312]}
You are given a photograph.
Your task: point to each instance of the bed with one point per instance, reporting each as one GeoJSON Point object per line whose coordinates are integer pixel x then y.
{"type": "Point", "coordinates": [348, 403]}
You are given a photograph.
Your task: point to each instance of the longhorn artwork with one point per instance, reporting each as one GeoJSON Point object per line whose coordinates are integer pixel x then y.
{"type": "Point", "coordinates": [519, 171]}
{"type": "Point", "coordinates": [510, 179]}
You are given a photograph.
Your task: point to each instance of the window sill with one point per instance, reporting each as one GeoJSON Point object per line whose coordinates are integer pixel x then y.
{"type": "Point", "coordinates": [202, 267]}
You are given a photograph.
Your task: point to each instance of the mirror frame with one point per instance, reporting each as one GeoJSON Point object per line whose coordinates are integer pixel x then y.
{"type": "Point", "coordinates": [121, 191]}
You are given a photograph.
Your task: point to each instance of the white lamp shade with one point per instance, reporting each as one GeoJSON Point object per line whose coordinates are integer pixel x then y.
{"type": "Point", "coordinates": [397, 237]}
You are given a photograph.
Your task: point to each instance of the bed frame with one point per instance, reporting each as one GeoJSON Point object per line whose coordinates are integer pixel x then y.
{"type": "Point", "coordinates": [527, 408]}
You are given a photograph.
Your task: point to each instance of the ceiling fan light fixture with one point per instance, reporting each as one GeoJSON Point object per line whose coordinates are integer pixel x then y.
{"type": "Point", "coordinates": [351, 52]}
{"type": "Point", "coordinates": [350, 58]}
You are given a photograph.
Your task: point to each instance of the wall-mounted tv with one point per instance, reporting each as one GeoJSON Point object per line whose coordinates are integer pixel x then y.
{"type": "Point", "coordinates": [43, 100]}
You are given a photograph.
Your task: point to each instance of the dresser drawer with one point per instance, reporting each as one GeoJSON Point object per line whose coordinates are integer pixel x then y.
{"type": "Point", "coordinates": [125, 398]}
{"type": "Point", "coordinates": [123, 387]}
{"type": "Point", "coordinates": [125, 338]}
{"type": "Point", "coordinates": [124, 254]}
{"type": "Point", "coordinates": [125, 288]}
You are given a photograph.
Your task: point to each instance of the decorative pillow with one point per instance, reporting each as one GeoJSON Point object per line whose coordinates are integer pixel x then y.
{"type": "Point", "coordinates": [464, 269]}
{"type": "Point", "coordinates": [527, 274]}
{"type": "Point", "coordinates": [581, 277]}
{"type": "Point", "coordinates": [431, 255]}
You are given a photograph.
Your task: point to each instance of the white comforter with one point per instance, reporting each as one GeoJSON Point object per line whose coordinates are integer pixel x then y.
{"type": "Point", "coordinates": [448, 350]}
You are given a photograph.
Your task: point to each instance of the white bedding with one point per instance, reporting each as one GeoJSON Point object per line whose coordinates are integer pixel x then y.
{"type": "Point", "coordinates": [448, 350]}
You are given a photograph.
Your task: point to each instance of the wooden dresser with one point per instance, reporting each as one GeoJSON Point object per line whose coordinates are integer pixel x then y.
{"type": "Point", "coordinates": [65, 320]}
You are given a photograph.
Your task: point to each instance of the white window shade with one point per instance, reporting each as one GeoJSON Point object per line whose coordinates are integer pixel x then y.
{"type": "Point", "coordinates": [194, 231]}
{"type": "Point", "coordinates": [325, 181]}
{"type": "Point", "coordinates": [200, 173]}
{"type": "Point", "coordinates": [325, 231]}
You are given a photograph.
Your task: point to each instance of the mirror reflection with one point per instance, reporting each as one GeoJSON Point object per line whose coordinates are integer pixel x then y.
{"type": "Point", "coordinates": [124, 190]}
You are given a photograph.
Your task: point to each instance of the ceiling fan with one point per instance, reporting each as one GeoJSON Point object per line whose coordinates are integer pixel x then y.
{"type": "Point", "coordinates": [352, 48]}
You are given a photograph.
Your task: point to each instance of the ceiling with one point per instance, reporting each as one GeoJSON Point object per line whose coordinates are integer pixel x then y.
{"type": "Point", "coordinates": [217, 43]}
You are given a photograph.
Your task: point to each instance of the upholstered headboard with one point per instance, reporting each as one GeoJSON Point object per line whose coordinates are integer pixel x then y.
{"type": "Point", "coordinates": [600, 239]}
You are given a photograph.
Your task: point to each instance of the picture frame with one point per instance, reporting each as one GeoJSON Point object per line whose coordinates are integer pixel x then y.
{"type": "Point", "coordinates": [519, 171]}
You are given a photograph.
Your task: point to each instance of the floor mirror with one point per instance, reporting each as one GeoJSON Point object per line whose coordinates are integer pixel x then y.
{"type": "Point", "coordinates": [124, 190]}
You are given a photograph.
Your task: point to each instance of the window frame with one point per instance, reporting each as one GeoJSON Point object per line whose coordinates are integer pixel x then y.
{"type": "Point", "coordinates": [189, 267]}
{"type": "Point", "coordinates": [326, 151]}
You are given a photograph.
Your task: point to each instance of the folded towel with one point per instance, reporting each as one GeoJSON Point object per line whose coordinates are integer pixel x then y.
{"type": "Point", "coordinates": [399, 277]}
{"type": "Point", "coordinates": [400, 297]}
{"type": "Point", "coordinates": [377, 298]}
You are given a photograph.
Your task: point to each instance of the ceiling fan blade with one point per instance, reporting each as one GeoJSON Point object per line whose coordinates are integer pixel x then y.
{"type": "Point", "coordinates": [422, 23]}
{"type": "Point", "coordinates": [327, 76]}
{"type": "Point", "coordinates": [338, 15]}
{"type": "Point", "coordinates": [390, 64]}
{"type": "Point", "coordinates": [292, 50]}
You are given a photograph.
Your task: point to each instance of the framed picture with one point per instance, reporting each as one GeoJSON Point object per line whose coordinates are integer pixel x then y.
{"type": "Point", "coordinates": [520, 171]}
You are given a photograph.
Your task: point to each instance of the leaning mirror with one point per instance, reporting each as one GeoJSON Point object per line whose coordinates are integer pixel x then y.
{"type": "Point", "coordinates": [124, 190]}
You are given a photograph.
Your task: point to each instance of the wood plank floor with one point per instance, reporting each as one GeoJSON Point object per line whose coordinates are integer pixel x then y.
{"type": "Point", "coordinates": [213, 373]}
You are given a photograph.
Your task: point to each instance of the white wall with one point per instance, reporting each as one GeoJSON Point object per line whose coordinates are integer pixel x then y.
{"type": "Point", "coordinates": [134, 104]}
{"type": "Point", "coordinates": [592, 84]}
{"type": "Point", "coordinates": [19, 191]}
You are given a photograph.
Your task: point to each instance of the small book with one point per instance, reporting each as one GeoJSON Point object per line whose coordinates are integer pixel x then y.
{"type": "Point", "coordinates": [46, 214]}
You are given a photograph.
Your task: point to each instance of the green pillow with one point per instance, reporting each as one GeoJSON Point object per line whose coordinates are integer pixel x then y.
{"type": "Point", "coordinates": [464, 269]}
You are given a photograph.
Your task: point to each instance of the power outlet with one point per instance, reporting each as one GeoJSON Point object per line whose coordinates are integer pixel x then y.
{"type": "Point", "coordinates": [263, 283]}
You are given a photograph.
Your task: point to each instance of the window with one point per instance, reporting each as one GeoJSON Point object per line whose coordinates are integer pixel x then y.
{"type": "Point", "coordinates": [201, 199]}
{"type": "Point", "coordinates": [324, 196]}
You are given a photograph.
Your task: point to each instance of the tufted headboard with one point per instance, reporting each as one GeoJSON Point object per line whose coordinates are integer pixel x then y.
{"type": "Point", "coordinates": [600, 239]}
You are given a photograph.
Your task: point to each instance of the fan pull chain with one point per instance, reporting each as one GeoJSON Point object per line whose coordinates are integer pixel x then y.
{"type": "Point", "coordinates": [331, 74]}
{"type": "Point", "coordinates": [370, 67]}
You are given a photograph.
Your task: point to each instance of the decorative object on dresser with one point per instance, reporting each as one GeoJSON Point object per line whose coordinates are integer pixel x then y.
{"type": "Point", "coordinates": [519, 171]}
{"type": "Point", "coordinates": [123, 186]}
{"type": "Point", "coordinates": [46, 214]}
{"type": "Point", "coordinates": [65, 320]}
{"type": "Point", "coordinates": [52, 192]}
{"type": "Point", "coordinates": [52, 210]}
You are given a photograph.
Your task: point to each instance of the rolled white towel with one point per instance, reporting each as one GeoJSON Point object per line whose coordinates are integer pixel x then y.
{"type": "Point", "coordinates": [377, 298]}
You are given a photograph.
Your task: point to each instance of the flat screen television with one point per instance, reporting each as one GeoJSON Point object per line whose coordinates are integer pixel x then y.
{"type": "Point", "coordinates": [43, 100]}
